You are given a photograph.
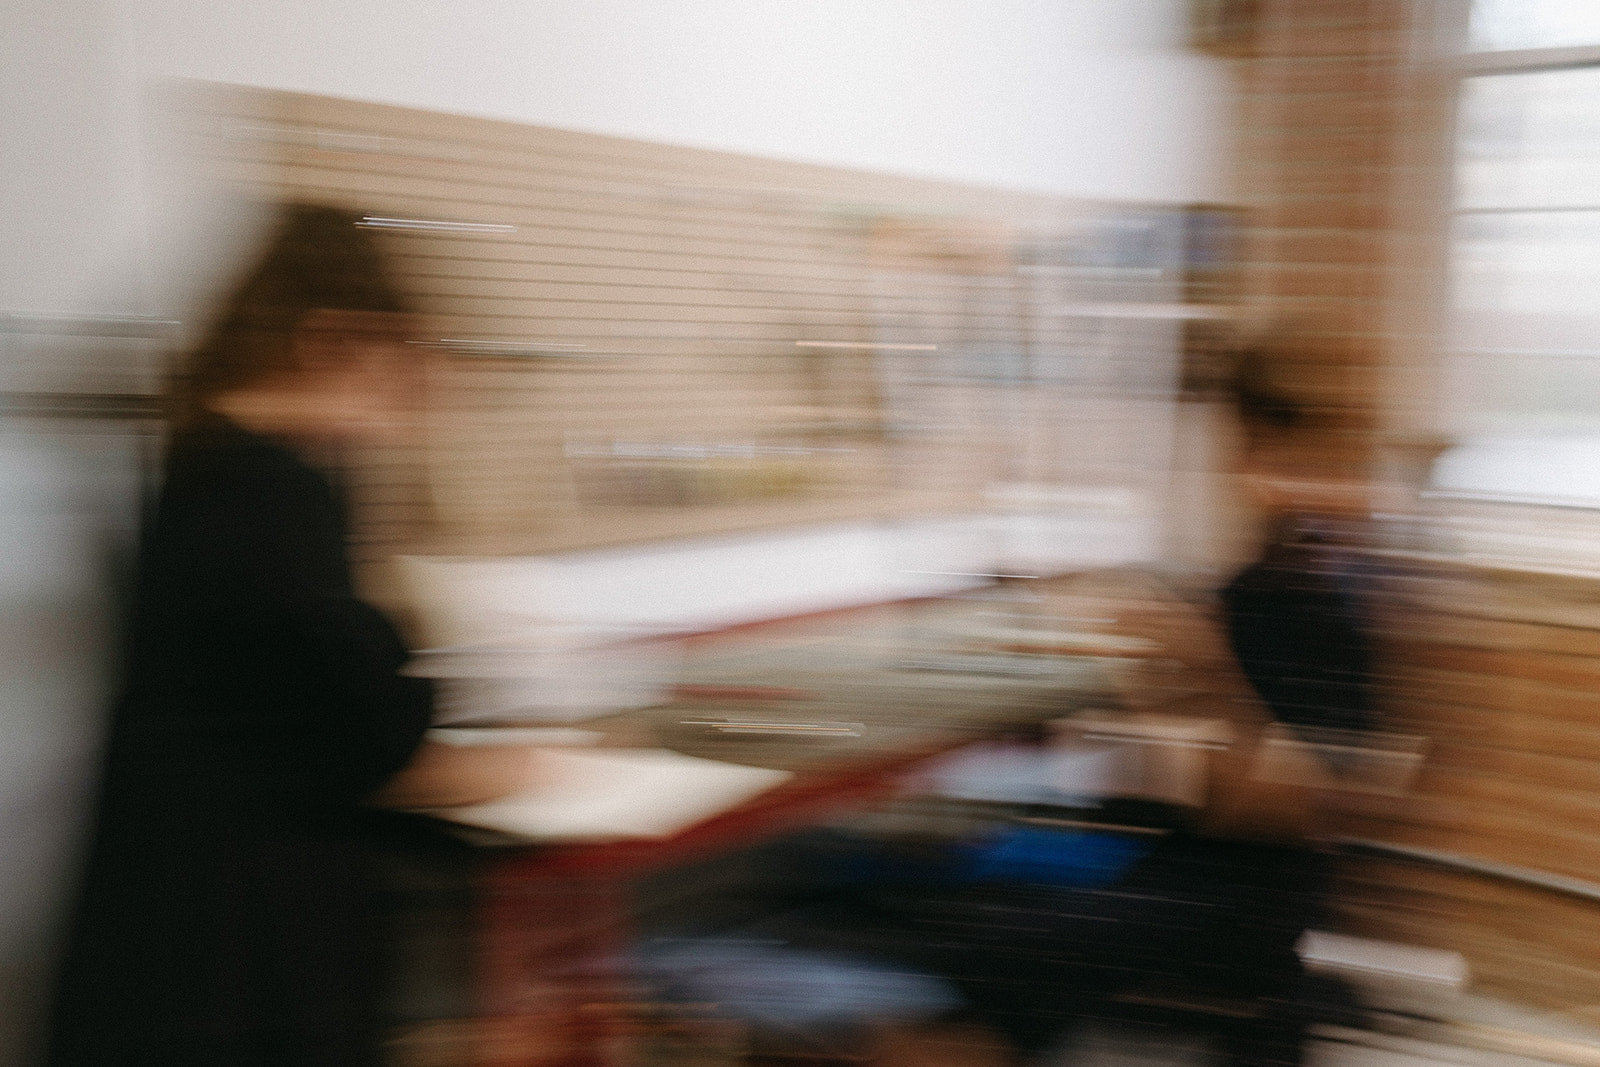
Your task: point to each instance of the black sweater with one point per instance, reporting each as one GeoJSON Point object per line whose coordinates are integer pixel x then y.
{"type": "Point", "coordinates": [225, 915]}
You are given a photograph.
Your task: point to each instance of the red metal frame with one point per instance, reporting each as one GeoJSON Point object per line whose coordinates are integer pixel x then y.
{"type": "Point", "coordinates": [553, 921]}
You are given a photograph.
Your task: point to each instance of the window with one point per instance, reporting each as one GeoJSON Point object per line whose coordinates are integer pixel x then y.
{"type": "Point", "coordinates": [1506, 25]}
{"type": "Point", "coordinates": [1523, 385]}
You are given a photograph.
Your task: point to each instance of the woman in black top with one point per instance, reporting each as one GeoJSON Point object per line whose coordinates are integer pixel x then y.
{"type": "Point", "coordinates": [225, 913]}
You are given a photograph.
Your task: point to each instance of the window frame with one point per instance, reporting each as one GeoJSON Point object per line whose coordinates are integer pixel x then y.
{"type": "Point", "coordinates": [1421, 405]}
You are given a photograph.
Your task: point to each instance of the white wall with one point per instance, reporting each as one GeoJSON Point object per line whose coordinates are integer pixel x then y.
{"type": "Point", "coordinates": [1094, 98]}
{"type": "Point", "coordinates": [70, 225]}
{"type": "Point", "coordinates": [1085, 97]}
{"type": "Point", "coordinates": [68, 159]}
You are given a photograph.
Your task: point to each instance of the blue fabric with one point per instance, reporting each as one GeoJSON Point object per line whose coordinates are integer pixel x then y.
{"type": "Point", "coordinates": [1082, 859]}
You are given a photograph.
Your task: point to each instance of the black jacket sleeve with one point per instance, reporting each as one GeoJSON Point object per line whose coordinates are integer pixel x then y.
{"type": "Point", "coordinates": [257, 673]}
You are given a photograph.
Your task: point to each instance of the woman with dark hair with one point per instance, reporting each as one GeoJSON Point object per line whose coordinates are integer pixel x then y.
{"type": "Point", "coordinates": [225, 914]}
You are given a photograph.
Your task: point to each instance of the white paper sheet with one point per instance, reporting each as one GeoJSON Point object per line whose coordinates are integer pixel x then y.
{"type": "Point", "coordinates": [615, 794]}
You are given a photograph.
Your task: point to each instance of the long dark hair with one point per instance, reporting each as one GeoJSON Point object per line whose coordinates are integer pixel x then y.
{"type": "Point", "coordinates": [318, 258]}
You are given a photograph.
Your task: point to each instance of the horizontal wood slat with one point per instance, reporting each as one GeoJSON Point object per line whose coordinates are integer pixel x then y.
{"type": "Point", "coordinates": [655, 296]}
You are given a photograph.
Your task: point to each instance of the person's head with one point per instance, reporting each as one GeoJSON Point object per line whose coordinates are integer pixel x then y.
{"type": "Point", "coordinates": [312, 339]}
{"type": "Point", "coordinates": [1294, 457]}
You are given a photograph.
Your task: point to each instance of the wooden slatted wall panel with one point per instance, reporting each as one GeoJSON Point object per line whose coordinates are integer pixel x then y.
{"type": "Point", "coordinates": [665, 290]}
{"type": "Point", "coordinates": [1500, 673]}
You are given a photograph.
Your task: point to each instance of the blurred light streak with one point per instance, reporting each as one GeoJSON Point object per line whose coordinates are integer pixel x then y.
{"type": "Point", "coordinates": [383, 222]}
